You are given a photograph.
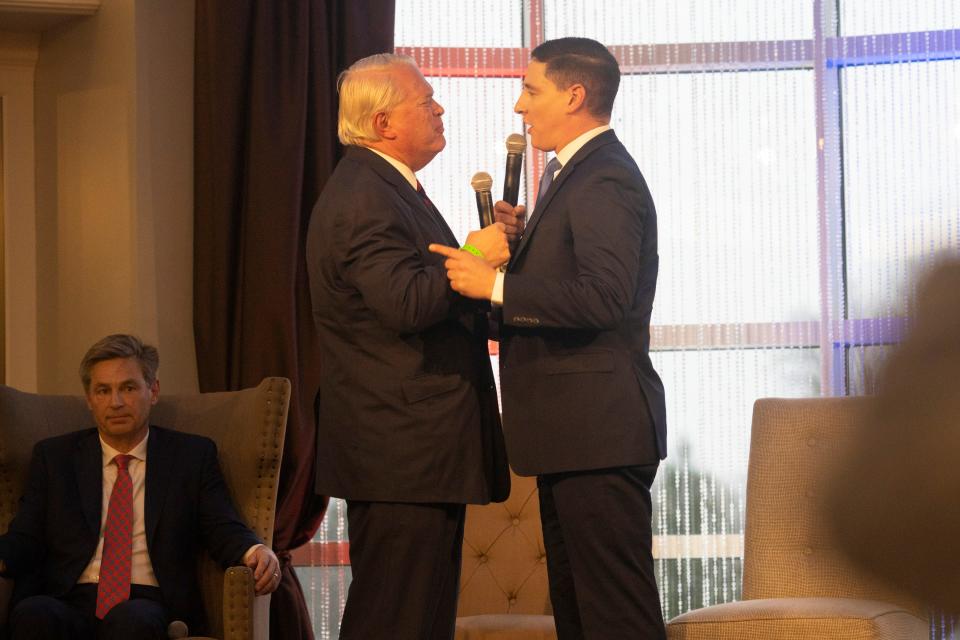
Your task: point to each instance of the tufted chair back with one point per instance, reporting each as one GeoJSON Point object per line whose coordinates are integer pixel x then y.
{"type": "Point", "coordinates": [503, 582]}
{"type": "Point", "coordinates": [248, 427]}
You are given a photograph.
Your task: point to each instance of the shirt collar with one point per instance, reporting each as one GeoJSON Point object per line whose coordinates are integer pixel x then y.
{"type": "Point", "coordinates": [404, 170]}
{"type": "Point", "coordinates": [139, 452]}
{"type": "Point", "coordinates": [577, 143]}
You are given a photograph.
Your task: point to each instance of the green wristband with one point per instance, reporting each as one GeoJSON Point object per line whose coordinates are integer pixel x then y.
{"type": "Point", "coordinates": [469, 248]}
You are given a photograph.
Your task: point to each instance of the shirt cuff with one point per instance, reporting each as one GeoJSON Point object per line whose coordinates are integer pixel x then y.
{"type": "Point", "coordinates": [497, 296]}
{"type": "Point", "coordinates": [250, 551]}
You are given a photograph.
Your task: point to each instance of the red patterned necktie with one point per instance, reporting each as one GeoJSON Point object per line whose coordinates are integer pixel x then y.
{"type": "Point", "coordinates": [114, 585]}
{"type": "Point", "coordinates": [423, 196]}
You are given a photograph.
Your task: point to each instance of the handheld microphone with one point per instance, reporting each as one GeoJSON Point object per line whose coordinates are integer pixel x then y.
{"type": "Point", "coordinates": [177, 629]}
{"type": "Point", "coordinates": [516, 146]}
{"type": "Point", "coordinates": [481, 183]}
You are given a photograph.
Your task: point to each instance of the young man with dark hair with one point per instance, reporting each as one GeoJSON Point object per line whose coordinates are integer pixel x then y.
{"type": "Point", "coordinates": [583, 407]}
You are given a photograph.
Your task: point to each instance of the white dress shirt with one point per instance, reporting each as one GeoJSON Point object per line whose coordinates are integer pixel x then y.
{"type": "Point", "coordinates": [404, 170]}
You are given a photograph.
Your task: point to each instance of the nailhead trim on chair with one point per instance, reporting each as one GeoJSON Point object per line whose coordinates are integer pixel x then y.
{"type": "Point", "coordinates": [269, 463]}
{"type": "Point", "coordinates": [238, 603]}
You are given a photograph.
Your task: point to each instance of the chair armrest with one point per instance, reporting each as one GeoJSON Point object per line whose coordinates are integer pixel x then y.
{"type": "Point", "coordinates": [238, 596]}
{"type": "Point", "coordinates": [814, 617]}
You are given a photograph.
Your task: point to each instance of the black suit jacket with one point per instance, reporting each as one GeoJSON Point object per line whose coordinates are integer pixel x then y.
{"type": "Point", "coordinates": [579, 390]}
{"type": "Point", "coordinates": [407, 408]}
{"type": "Point", "coordinates": [186, 508]}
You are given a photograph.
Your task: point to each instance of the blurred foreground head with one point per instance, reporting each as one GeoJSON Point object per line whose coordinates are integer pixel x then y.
{"type": "Point", "coordinates": [896, 503]}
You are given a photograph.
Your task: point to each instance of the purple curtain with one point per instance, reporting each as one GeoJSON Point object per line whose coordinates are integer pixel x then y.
{"type": "Point", "coordinates": [265, 143]}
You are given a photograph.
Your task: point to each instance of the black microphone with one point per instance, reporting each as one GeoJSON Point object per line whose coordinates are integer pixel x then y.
{"type": "Point", "coordinates": [516, 146]}
{"type": "Point", "coordinates": [482, 183]}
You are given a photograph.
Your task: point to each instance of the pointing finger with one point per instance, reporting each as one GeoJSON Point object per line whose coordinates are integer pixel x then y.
{"type": "Point", "coordinates": [443, 250]}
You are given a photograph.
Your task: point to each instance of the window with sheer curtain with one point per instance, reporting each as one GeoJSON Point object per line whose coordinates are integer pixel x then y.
{"type": "Point", "coordinates": [803, 156]}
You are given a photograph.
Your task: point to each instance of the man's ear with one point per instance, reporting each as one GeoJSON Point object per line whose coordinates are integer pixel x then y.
{"type": "Point", "coordinates": [381, 124]}
{"type": "Point", "coordinates": [576, 97]}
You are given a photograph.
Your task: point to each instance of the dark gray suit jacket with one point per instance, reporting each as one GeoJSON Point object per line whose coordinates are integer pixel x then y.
{"type": "Point", "coordinates": [579, 390]}
{"type": "Point", "coordinates": [407, 408]}
{"type": "Point", "coordinates": [187, 508]}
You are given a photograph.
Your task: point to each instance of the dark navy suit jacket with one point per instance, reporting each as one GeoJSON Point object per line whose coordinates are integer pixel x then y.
{"type": "Point", "coordinates": [579, 390]}
{"type": "Point", "coordinates": [407, 407]}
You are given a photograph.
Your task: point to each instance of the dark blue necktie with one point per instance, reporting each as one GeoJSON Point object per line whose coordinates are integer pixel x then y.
{"type": "Point", "coordinates": [547, 178]}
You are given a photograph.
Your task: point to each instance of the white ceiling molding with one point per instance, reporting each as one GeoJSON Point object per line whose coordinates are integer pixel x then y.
{"type": "Point", "coordinates": [40, 15]}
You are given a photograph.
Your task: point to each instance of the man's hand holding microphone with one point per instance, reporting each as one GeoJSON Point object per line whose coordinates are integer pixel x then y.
{"type": "Point", "coordinates": [472, 270]}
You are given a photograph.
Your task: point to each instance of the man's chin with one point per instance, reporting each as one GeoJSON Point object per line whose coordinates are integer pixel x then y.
{"type": "Point", "coordinates": [540, 144]}
{"type": "Point", "coordinates": [119, 427]}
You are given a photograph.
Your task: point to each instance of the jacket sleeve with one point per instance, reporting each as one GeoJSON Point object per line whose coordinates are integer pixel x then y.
{"type": "Point", "coordinates": [224, 534]}
{"type": "Point", "coordinates": [403, 283]}
{"type": "Point", "coordinates": [22, 548]}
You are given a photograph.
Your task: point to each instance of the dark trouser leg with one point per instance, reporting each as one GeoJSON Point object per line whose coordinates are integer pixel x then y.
{"type": "Point", "coordinates": [142, 617]}
{"type": "Point", "coordinates": [49, 618]}
{"type": "Point", "coordinates": [405, 560]}
{"type": "Point", "coordinates": [448, 581]}
{"type": "Point", "coordinates": [563, 592]}
{"type": "Point", "coordinates": [602, 541]}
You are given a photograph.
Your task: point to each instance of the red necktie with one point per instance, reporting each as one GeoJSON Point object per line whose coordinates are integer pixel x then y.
{"type": "Point", "coordinates": [435, 214]}
{"type": "Point", "coordinates": [423, 196]}
{"type": "Point", "coordinates": [114, 585]}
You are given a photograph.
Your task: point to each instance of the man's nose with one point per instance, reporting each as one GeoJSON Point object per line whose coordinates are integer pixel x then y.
{"type": "Point", "coordinates": [116, 398]}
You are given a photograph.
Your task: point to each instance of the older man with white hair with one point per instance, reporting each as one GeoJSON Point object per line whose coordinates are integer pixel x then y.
{"type": "Point", "coordinates": [408, 427]}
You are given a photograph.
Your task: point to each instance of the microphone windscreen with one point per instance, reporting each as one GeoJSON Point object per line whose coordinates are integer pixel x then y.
{"type": "Point", "coordinates": [516, 143]}
{"type": "Point", "coordinates": [481, 181]}
{"type": "Point", "coordinates": [177, 629]}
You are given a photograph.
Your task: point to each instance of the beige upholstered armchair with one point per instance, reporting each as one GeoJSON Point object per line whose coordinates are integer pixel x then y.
{"type": "Point", "coordinates": [503, 582]}
{"type": "Point", "coordinates": [796, 585]}
{"type": "Point", "coordinates": [248, 427]}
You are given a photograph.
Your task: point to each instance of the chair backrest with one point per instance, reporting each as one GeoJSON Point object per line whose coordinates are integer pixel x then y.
{"type": "Point", "coordinates": [248, 427]}
{"type": "Point", "coordinates": [504, 566]}
{"type": "Point", "coordinates": [789, 550]}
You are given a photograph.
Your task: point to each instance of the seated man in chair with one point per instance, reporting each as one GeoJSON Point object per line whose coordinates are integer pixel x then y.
{"type": "Point", "coordinates": [112, 520]}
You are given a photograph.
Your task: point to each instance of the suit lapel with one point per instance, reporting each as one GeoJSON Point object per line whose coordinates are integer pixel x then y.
{"type": "Point", "coordinates": [607, 137]}
{"type": "Point", "coordinates": [386, 171]}
{"type": "Point", "coordinates": [88, 467]}
{"type": "Point", "coordinates": [160, 464]}
{"type": "Point", "coordinates": [544, 203]}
